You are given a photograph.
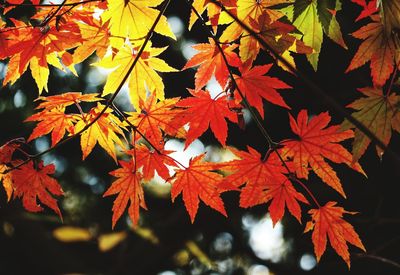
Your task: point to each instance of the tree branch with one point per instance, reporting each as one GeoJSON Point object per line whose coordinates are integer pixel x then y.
{"type": "Point", "coordinates": [316, 90]}
{"type": "Point", "coordinates": [109, 102]}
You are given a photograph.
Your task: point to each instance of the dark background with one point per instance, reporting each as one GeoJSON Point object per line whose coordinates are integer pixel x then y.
{"type": "Point", "coordinates": [27, 244]}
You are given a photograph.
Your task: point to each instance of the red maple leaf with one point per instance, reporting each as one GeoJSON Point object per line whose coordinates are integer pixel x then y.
{"type": "Point", "coordinates": [327, 223]}
{"type": "Point", "coordinates": [211, 61]}
{"type": "Point", "coordinates": [255, 86]}
{"type": "Point", "coordinates": [264, 181]}
{"type": "Point", "coordinates": [203, 112]}
{"type": "Point", "coordinates": [6, 152]}
{"type": "Point", "coordinates": [315, 142]}
{"type": "Point", "coordinates": [54, 121]}
{"type": "Point", "coordinates": [129, 189]}
{"type": "Point", "coordinates": [197, 182]}
{"type": "Point", "coordinates": [33, 183]}
{"type": "Point", "coordinates": [368, 8]}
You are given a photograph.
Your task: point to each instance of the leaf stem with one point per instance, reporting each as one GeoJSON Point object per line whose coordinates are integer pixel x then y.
{"type": "Point", "coordinates": [293, 177]}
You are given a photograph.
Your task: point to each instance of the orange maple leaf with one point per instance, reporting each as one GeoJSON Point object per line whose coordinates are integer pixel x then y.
{"type": "Point", "coordinates": [264, 180]}
{"type": "Point", "coordinates": [203, 112]}
{"type": "Point", "coordinates": [152, 161]}
{"type": "Point", "coordinates": [33, 183]}
{"type": "Point", "coordinates": [315, 142]}
{"type": "Point", "coordinates": [39, 46]}
{"type": "Point", "coordinates": [211, 62]}
{"type": "Point", "coordinates": [327, 223]}
{"type": "Point", "coordinates": [156, 118]}
{"type": "Point", "coordinates": [128, 187]}
{"type": "Point", "coordinates": [377, 47]}
{"type": "Point", "coordinates": [255, 86]}
{"type": "Point", "coordinates": [54, 121]}
{"type": "Point", "coordinates": [66, 99]}
{"type": "Point", "coordinates": [198, 182]}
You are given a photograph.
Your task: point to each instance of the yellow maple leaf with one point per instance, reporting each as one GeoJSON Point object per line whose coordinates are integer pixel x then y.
{"type": "Point", "coordinates": [104, 131]}
{"type": "Point", "coordinates": [133, 19]}
{"type": "Point", "coordinates": [143, 77]}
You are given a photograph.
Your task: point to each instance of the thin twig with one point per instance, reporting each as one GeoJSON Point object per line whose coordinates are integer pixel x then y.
{"type": "Point", "coordinates": [377, 258]}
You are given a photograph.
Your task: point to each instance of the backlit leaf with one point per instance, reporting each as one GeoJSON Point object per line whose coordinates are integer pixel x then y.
{"type": "Point", "coordinates": [34, 184]}
{"type": "Point", "coordinates": [328, 223]}
{"type": "Point", "coordinates": [198, 182]}
{"type": "Point", "coordinates": [128, 188]}
{"type": "Point", "coordinates": [317, 142]}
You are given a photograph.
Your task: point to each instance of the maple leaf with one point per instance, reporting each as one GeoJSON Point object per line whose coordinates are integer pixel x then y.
{"type": "Point", "coordinates": [368, 8]}
{"type": "Point", "coordinates": [390, 14]}
{"type": "Point", "coordinates": [142, 78]}
{"type": "Point", "coordinates": [153, 161]}
{"type": "Point", "coordinates": [133, 19]}
{"type": "Point", "coordinates": [378, 48]}
{"type": "Point", "coordinates": [203, 112]}
{"type": "Point", "coordinates": [96, 39]}
{"type": "Point", "coordinates": [278, 37]}
{"type": "Point", "coordinates": [213, 11]}
{"type": "Point", "coordinates": [65, 99]}
{"type": "Point", "coordinates": [196, 183]}
{"type": "Point", "coordinates": [38, 46]}
{"type": "Point", "coordinates": [328, 223]}
{"type": "Point", "coordinates": [3, 40]}
{"type": "Point", "coordinates": [104, 131]}
{"type": "Point", "coordinates": [54, 121]}
{"type": "Point", "coordinates": [248, 10]}
{"type": "Point", "coordinates": [377, 112]}
{"type": "Point", "coordinates": [6, 179]}
{"type": "Point", "coordinates": [265, 181]}
{"type": "Point", "coordinates": [6, 152]}
{"type": "Point", "coordinates": [313, 18]}
{"type": "Point", "coordinates": [255, 86]}
{"type": "Point", "coordinates": [128, 187]}
{"type": "Point", "coordinates": [211, 62]}
{"type": "Point", "coordinates": [315, 142]}
{"type": "Point", "coordinates": [34, 184]}
{"type": "Point", "coordinates": [156, 116]}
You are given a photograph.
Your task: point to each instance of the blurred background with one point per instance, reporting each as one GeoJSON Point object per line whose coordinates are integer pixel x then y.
{"type": "Point", "coordinates": [165, 242]}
